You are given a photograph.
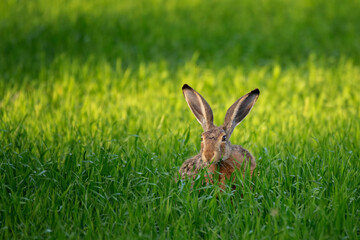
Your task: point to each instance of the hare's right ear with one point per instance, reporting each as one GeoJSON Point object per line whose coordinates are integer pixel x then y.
{"type": "Point", "coordinates": [199, 107]}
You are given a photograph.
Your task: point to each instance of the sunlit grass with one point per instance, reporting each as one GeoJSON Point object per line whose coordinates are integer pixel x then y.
{"type": "Point", "coordinates": [93, 124]}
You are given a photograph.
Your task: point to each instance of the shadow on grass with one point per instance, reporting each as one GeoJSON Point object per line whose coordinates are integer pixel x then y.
{"type": "Point", "coordinates": [220, 34]}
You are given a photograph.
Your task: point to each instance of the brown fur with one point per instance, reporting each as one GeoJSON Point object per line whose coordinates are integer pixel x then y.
{"type": "Point", "coordinates": [238, 159]}
{"type": "Point", "coordinates": [217, 154]}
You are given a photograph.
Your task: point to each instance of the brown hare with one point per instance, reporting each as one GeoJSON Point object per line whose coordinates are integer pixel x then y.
{"type": "Point", "coordinates": [217, 154]}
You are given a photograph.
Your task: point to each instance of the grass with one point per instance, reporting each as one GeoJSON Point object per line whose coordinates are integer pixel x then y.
{"type": "Point", "coordinates": [93, 124]}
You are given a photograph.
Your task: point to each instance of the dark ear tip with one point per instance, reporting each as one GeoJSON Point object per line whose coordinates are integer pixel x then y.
{"type": "Point", "coordinates": [185, 86]}
{"type": "Point", "coordinates": [256, 91]}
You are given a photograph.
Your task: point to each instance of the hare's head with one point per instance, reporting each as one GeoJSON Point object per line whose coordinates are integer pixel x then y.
{"type": "Point", "coordinates": [215, 144]}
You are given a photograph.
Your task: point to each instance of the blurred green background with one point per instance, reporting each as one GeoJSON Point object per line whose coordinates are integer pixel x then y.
{"type": "Point", "coordinates": [93, 124]}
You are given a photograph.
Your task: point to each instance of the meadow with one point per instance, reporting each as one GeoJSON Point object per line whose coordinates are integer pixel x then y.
{"type": "Point", "coordinates": [94, 126]}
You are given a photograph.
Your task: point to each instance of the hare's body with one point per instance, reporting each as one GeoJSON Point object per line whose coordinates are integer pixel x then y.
{"type": "Point", "coordinates": [217, 154]}
{"type": "Point", "coordinates": [239, 159]}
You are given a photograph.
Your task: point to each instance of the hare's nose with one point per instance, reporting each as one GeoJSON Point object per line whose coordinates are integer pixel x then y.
{"type": "Point", "coordinates": [209, 155]}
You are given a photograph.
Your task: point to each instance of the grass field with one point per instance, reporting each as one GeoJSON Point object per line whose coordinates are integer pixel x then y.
{"type": "Point", "coordinates": [93, 124]}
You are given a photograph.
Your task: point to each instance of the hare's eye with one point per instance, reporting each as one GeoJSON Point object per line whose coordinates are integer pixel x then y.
{"type": "Point", "coordinates": [224, 138]}
{"type": "Point", "coordinates": [201, 138]}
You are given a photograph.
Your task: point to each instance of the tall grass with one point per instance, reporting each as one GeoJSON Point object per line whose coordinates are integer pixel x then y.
{"type": "Point", "coordinates": [93, 124]}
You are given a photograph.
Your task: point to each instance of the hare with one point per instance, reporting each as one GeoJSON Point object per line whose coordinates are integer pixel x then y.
{"type": "Point", "coordinates": [217, 154]}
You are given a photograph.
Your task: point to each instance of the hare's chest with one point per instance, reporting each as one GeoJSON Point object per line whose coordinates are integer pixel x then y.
{"type": "Point", "coordinates": [228, 166]}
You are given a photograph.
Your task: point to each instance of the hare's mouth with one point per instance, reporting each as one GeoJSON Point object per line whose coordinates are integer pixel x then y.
{"type": "Point", "coordinates": [213, 160]}
{"type": "Point", "coordinates": [212, 157]}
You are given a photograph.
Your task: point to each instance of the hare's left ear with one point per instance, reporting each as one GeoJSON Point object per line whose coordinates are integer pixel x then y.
{"type": "Point", "coordinates": [238, 111]}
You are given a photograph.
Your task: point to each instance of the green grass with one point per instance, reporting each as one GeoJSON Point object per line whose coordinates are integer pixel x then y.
{"type": "Point", "coordinates": [93, 124]}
